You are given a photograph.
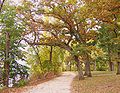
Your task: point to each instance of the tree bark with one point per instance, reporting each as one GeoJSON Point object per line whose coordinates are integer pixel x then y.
{"type": "Point", "coordinates": [1, 5]}
{"type": "Point", "coordinates": [111, 65]}
{"type": "Point", "coordinates": [95, 67]}
{"type": "Point", "coordinates": [7, 63]}
{"type": "Point", "coordinates": [70, 66]}
{"type": "Point", "coordinates": [51, 50]}
{"type": "Point", "coordinates": [118, 65]}
{"type": "Point", "coordinates": [79, 68]}
{"type": "Point", "coordinates": [87, 67]}
{"type": "Point", "coordinates": [118, 68]}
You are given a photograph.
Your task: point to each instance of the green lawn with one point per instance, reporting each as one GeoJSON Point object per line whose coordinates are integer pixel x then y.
{"type": "Point", "coordinates": [101, 82]}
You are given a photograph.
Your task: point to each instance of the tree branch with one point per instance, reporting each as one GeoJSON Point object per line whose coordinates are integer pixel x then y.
{"type": "Point", "coordinates": [2, 5]}
{"type": "Point", "coordinates": [60, 44]}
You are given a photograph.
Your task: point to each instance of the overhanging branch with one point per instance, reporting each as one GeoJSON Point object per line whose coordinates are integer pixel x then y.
{"type": "Point", "coordinates": [60, 44]}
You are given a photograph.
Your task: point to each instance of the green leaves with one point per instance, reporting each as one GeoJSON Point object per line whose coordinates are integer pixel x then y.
{"type": "Point", "coordinates": [79, 49]}
{"type": "Point", "coordinates": [11, 25]}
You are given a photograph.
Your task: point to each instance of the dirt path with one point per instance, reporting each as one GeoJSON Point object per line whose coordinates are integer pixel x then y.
{"type": "Point", "coordinates": [60, 84]}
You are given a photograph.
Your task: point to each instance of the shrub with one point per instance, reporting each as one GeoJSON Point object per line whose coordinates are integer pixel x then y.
{"type": "Point", "coordinates": [21, 83]}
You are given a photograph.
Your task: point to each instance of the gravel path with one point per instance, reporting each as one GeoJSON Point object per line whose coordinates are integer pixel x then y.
{"type": "Point", "coordinates": [60, 84]}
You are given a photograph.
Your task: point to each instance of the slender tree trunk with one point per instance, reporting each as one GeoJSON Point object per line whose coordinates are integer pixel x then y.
{"type": "Point", "coordinates": [118, 68]}
{"type": "Point", "coordinates": [118, 65]}
{"type": "Point", "coordinates": [7, 63]}
{"type": "Point", "coordinates": [37, 53]}
{"type": "Point", "coordinates": [95, 67]}
{"type": "Point", "coordinates": [111, 65]}
{"type": "Point", "coordinates": [51, 50]}
{"type": "Point", "coordinates": [70, 67]}
{"type": "Point", "coordinates": [79, 68]}
{"type": "Point", "coordinates": [39, 63]}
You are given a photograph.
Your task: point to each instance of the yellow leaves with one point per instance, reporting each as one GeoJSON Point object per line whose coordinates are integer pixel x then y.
{"type": "Point", "coordinates": [59, 10]}
{"type": "Point", "coordinates": [72, 2]}
{"type": "Point", "coordinates": [95, 50]}
{"type": "Point", "coordinates": [46, 19]}
{"type": "Point", "coordinates": [50, 21]}
{"type": "Point", "coordinates": [18, 9]}
{"type": "Point", "coordinates": [47, 9]}
{"type": "Point", "coordinates": [99, 52]}
{"type": "Point", "coordinates": [90, 41]}
{"type": "Point", "coordinates": [91, 48]}
{"type": "Point", "coordinates": [118, 23]}
{"type": "Point", "coordinates": [69, 58]}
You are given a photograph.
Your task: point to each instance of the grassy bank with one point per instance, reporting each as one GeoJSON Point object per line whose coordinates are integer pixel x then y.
{"type": "Point", "coordinates": [101, 82]}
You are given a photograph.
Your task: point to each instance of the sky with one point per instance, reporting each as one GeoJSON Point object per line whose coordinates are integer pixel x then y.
{"type": "Point", "coordinates": [16, 1]}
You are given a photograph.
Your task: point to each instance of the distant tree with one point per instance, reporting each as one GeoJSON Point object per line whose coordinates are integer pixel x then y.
{"type": "Point", "coordinates": [107, 13]}
{"type": "Point", "coordinates": [39, 58]}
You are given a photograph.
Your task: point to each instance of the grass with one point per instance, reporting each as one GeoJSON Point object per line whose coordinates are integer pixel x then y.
{"type": "Point", "coordinates": [101, 82]}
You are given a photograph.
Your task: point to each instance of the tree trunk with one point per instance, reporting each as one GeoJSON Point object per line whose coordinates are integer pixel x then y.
{"type": "Point", "coordinates": [111, 65]}
{"type": "Point", "coordinates": [51, 49]}
{"type": "Point", "coordinates": [87, 69]}
{"type": "Point", "coordinates": [6, 73]}
{"type": "Point", "coordinates": [7, 63]}
{"type": "Point", "coordinates": [95, 67]}
{"type": "Point", "coordinates": [118, 65]}
{"type": "Point", "coordinates": [118, 68]}
{"type": "Point", "coordinates": [79, 68]}
{"type": "Point", "coordinates": [70, 66]}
